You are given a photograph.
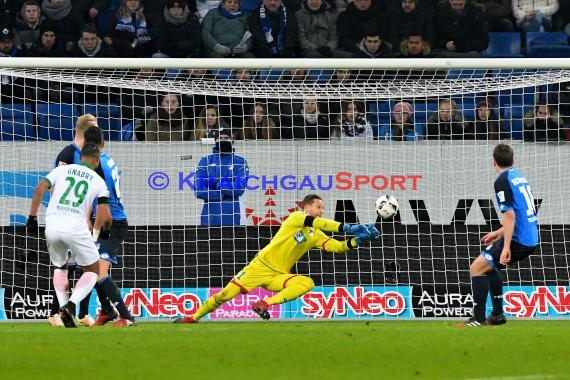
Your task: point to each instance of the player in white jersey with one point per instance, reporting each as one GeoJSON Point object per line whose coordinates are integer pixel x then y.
{"type": "Point", "coordinates": [74, 188]}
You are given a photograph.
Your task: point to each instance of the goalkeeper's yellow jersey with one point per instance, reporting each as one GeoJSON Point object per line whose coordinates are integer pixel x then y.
{"type": "Point", "coordinates": [294, 239]}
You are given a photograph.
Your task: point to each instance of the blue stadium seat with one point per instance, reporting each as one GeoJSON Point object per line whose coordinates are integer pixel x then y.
{"type": "Point", "coordinates": [17, 122]}
{"type": "Point", "coordinates": [108, 118]}
{"type": "Point", "coordinates": [422, 111]}
{"type": "Point", "coordinates": [547, 45]}
{"type": "Point", "coordinates": [378, 114]}
{"type": "Point", "coordinates": [504, 45]}
{"type": "Point", "coordinates": [271, 75]}
{"type": "Point", "coordinates": [222, 74]}
{"type": "Point", "coordinates": [465, 74]}
{"type": "Point", "coordinates": [319, 75]}
{"type": "Point", "coordinates": [105, 17]}
{"type": "Point", "coordinates": [248, 6]}
{"type": "Point", "coordinates": [56, 121]}
{"type": "Point", "coordinates": [514, 122]}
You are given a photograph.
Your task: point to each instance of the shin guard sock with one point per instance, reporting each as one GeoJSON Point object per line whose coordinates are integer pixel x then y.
{"type": "Point", "coordinates": [480, 286]}
{"type": "Point", "coordinates": [496, 291]}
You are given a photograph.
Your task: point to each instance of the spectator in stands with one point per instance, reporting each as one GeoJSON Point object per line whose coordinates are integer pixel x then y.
{"type": "Point", "coordinates": [461, 29]}
{"type": "Point", "coordinates": [487, 125]}
{"type": "Point", "coordinates": [535, 15]}
{"type": "Point", "coordinates": [47, 44]}
{"type": "Point", "coordinates": [309, 122]}
{"type": "Point", "coordinates": [154, 9]}
{"type": "Point", "coordinates": [542, 123]}
{"type": "Point", "coordinates": [274, 30]}
{"type": "Point", "coordinates": [446, 123]}
{"type": "Point", "coordinates": [498, 15]}
{"type": "Point", "coordinates": [372, 46]}
{"type": "Point", "coordinates": [243, 75]}
{"type": "Point", "coordinates": [168, 124]}
{"type": "Point", "coordinates": [27, 25]}
{"type": "Point", "coordinates": [294, 75]}
{"type": "Point", "coordinates": [90, 9]}
{"type": "Point", "coordinates": [409, 19]}
{"type": "Point", "coordinates": [317, 30]}
{"type": "Point", "coordinates": [402, 126]}
{"type": "Point", "coordinates": [8, 11]}
{"type": "Point", "coordinates": [359, 17]}
{"type": "Point", "coordinates": [129, 35]}
{"type": "Point", "coordinates": [220, 184]}
{"type": "Point", "coordinates": [342, 76]}
{"type": "Point", "coordinates": [12, 89]}
{"type": "Point", "coordinates": [259, 125]}
{"type": "Point", "coordinates": [415, 46]}
{"type": "Point", "coordinates": [225, 32]}
{"type": "Point", "coordinates": [561, 20]}
{"type": "Point", "coordinates": [66, 19]}
{"type": "Point", "coordinates": [562, 93]}
{"type": "Point", "coordinates": [177, 32]}
{"type": "Point", "coordinates": [352, 123]}
{"type": "Point", "coordinates": [90, 45]}
{"type": "Point", "coordinates": [209, 123]}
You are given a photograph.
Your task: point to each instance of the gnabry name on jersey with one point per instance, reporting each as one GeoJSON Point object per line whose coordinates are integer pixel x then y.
{"type": "Point", "coordinates": [80, 174]}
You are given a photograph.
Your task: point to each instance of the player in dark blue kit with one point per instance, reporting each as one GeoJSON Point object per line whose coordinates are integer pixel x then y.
{"type": "Point", "coordinates": [110, 242]}
{"type": "Point", "coordinates": [515, 241]}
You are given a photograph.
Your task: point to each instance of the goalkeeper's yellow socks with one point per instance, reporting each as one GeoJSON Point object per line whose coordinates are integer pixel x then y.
{"type": "Point", "coordinates": [229, 292]}
{"type": "Point", "coordinates": [296, 287]}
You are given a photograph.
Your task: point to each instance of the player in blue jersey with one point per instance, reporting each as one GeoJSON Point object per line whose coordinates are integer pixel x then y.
{"type": "Point", "coordinates": [515, 241]}
{"type": "Point", "coordinates": [110, 242]}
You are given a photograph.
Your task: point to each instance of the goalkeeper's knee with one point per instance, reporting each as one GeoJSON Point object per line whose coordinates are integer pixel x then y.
{"type": "Point", "coordinates": [304, 281]}
{"type": "Point", "coordinates": [226, 294]}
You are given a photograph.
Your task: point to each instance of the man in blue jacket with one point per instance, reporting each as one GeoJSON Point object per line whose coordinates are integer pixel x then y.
{"type": "Point", "coordinates": [220, 182]}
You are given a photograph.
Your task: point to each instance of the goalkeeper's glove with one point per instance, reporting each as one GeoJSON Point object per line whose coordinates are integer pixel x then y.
{"type": "Point", "coordinates": [370, 234]}
{"type": "Point", "coordinates": [32, 223]}
{"type": "Point", "coordinates": [353, 228]}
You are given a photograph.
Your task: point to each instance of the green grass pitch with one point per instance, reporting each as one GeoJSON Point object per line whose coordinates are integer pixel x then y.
{"type": "Point", "coordinates": [526, 350]}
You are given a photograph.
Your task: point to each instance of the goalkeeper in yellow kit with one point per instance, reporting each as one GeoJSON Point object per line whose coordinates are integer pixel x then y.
{"type": "Point", "coordinates": [300, 232]}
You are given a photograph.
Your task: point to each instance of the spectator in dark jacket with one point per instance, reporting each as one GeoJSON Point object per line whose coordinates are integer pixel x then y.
{"type": "Point", "coordinates": [90, 9]}
{"type": "Point", "coordinates": [274, 30]}
{"type": "Point", "coordinates": [498, 15]}
{"type": "Point", "coordinates": [47, 44]}
{"type": "Point", "coordinates": [359, 17]}
{"type": "Point", "coordinates": [309, 122]}
{"type": "Point", "coordinates": [90, 45]}
{"type": "Point", "coordinates": [27, 25]}
{"type": "Point", "coordinates": [487, 125]}
{"type": "Point", "coordinates": [542, 123]}
{"type": "Point", "coordinates": [372, 46]}
{"type": "Point", "coordinates": [414, 46]}
{"type": "Point", "coordinates": [66, 19]}
{"type": "Point", "coordinates": [12, 89]}
{"type": "Point", "coordinates": [407, 18]}
{"type": "Point", "coordinates": [461, 29]}
{"type": "Point", "coordinates": [446, 123]}
{"type": "Point", "coordinates": [177, 32]}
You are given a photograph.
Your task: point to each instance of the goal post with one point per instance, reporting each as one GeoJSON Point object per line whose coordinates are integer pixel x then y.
{"type": "Point", "coordinates": [351, 151]}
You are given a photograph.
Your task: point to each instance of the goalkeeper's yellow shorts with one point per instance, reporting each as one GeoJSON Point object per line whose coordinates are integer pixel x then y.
{"type": "Point", "coordinates": [257, 274]}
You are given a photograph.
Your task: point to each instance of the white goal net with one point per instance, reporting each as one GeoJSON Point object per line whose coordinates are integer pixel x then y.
{"type": "Point", "coordinates": [349, 134]}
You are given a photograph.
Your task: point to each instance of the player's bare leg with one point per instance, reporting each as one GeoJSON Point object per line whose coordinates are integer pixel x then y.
{"type": "Point", "coordinates": [82, 288]}
{"type": "Point", "coordinates": [228, 293]}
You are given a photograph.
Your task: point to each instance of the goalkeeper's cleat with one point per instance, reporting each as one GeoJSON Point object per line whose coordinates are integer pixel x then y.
{"type": "Point", "coordinates": [124, 322]}
{"type": "Point", "coordinates": [472, 322]}
{"type": "Point", "coordinates": [67, 317]}
{"type": "Point", "coordinates": [104, 318]}
{"type": "Point", "coordinates": [496, 320]}
{"type": "Point", "coordinates": [260, 308]}
{"type": "Point", "coordinates": [85, 321]}
{"type": "Point", "coordinates": [55, 321]}
{"type": "Point", "coordinates": [186, 320]}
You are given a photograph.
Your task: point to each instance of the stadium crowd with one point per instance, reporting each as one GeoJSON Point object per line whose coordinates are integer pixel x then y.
{"type": "Point", "coordinates": [280, 29]}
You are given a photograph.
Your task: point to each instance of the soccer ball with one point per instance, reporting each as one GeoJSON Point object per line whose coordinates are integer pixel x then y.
{"type": "Point", "coordinates": [387, 206]}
